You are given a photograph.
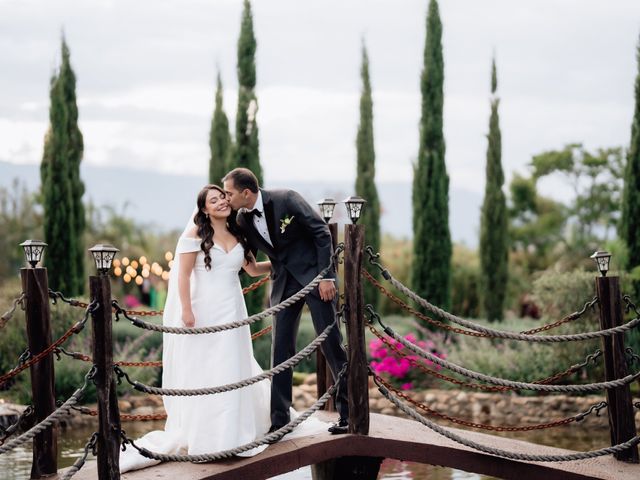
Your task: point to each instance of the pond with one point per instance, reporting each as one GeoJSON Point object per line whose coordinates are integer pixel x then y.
{"type": "Point", "coordinates": [16, 465]}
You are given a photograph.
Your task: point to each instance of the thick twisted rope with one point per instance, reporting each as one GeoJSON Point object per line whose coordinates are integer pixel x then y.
{"type": "Point", "coordinates": [267, 439]}
{"type": "Point", "coordinates": [6, 316]}
{"type": "Point", "coordinates": [589, 387]}
{"type": "Point", "coordinates": [291, 362]}
{"type": "Point", "coordinates": [53, 417]}
{"type": "Point", "coordinates": [239, 323]}
{"type": "Point", "coordinates": [79, 463]}
{"type": "Point", "coordinates": [503, 453]}
{"type": "Point", "coordinates": [509, 335]}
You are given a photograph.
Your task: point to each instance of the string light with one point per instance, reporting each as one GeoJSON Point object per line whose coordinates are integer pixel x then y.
{"type": "Point", "coordinates": [116, 262]}
{"type": "Point", "coordinates": [165, 276]}
{"type": "Point", "coordinates": [126, 278]}
{"type": "Point", "coordinates": [117, 271]}
{"type": "Point", "coordinates": [168, 256]}
{"type": "Point", "coordinates": [145, 273]}
{"type": "Point", "coordinates": [125, 261]}
{"type": "Point", "coordinates": [143, 260]}
{"type": "Point", "coordinates": [170, 263]}
{"type": "Point", "coordinates": [139, 281]}
{"type": "Point", "coordinates": [134, 264]}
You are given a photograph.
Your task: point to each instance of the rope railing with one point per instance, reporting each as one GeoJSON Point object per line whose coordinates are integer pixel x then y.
{"type": "Point", "coordinates": [12, 429]}
{"type": "Point", "coordinates": [414, 363]}
{"type": "Point", "coordinates": [50, 349]}
{"type": "Point", "coordinates": [91, 446]}
{"type": "Point", "coordinates": [590, 387]}
{"type": "Point", "coordinates": [493, 428]}
{"type": "Point", "coordinates": [499, 452]}
{"type": "Point", "coordinates": [303, 292]}
{"type": "Point", "coordinates": [290, 363]}
{"type": "Point", "coordinates": [267, 439]}
{"type": "Point", "coordinates": [6, 316]}
{"type": "Point", "coordinates": [439, 324]}
{"type": "Point", "coordinates": [53, 417]}
{"type": "Point", "coordinates": [500, 333]}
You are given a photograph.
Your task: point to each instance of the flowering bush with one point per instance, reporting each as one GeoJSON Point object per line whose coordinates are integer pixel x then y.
{"type": "Point", "coordinates": [401, 369]}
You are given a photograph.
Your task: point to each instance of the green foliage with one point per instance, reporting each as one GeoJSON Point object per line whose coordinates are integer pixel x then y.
{"type": "Point", "coordinates": [246, 151]}
{"type": "Point", "coordinates": [366, 173]}
{"type": "Point", "coordinates": [560, 293]}
{"type": "Point", "coordinates": [630, 222]}
{"type": "Point", "coordinates": [62, 188]}
{"type": "Point", "coordinates": [220, 143]}
{"type": "Point", "coordinates": [465, 282]}
{"type": "Point", "coordinates": [396, 256]}
{"type": "Point", "coordinates": [431, 274]}
{"type": "Point", "coordinates": [20, 219]}
{"type": "Point", "coordinates": [493, 222]}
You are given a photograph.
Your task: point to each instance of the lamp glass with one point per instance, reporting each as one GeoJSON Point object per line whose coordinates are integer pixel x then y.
{"type": "Point", "coordinates": [354, 206]}
{"type": "Point", "coordinates": [103, 256]}
{"type": "Point", "coordinates": [602, 260]}
{"type": "Point", "coordinates": [33, 250]}
{"type": "Point", "coordinates": [327, 206]}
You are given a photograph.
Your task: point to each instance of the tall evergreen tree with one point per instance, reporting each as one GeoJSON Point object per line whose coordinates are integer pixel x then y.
{"type": "Point", "coordinates": [246, 148]}
{"type": "Point", "coordinates": [64, 145]}
{"type": "Point", "coordinates": [431, 267]}
{"type": "Point", "coordinates": [219, 140]}
{"type": "Point", "coordinates": [247, 144]}
{"type": "Point", "coordinates": [631, 197]}
{"type": "Point", "coordinates": [494, 249]}
{"type": "Point", "coordinates": [365, 179]}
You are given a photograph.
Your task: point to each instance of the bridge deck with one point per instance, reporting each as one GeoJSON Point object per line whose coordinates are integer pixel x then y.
{"type": "Point", "coordinates": [390, 437]}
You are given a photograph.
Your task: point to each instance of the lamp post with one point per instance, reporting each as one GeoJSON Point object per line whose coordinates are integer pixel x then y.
{"type": "Point", "coordinates": [35, 285]}
{"type": "Point", "coordinates": [621, 414]}
{"type": "Point", "coordinates": [102, 339]}
{"type": "Point", "coordinates": [323, 374]}
{"type": "Point", "coordinates": [358, 380]}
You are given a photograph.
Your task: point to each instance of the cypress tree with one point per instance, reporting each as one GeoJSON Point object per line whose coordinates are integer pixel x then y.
{"type": "Point", "coordinates": [630, 224]}
{"type": "Point", "coordinates": [246, 148]}
{"type": "Point", "coordinates": [431, 267]}
{"type": "Point", "coordinates": [365, 179]}
{"type": "Point", "coordinates": [494, 248]}
{"type": "Point", "coordinates": [247, 144]}
{"type": "Point", "coordinates": [219, 140]}
{"type": "Point", "coordinates": [57, 196]}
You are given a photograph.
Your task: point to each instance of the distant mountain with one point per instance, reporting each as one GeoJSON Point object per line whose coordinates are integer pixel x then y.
{"type": "Point", "coordinates": [166, 200]}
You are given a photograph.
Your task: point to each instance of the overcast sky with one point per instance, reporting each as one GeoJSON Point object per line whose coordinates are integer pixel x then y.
{"type": "Point", "coordinates": [146, 77]}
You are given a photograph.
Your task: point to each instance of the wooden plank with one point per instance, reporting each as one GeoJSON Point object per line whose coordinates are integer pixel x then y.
{"type": "Point", "coordinates": [620, 404]}
{"type": "Point", "coordinates": [35, 284]}
{"type": "Point", "coordinates": [390, 437]}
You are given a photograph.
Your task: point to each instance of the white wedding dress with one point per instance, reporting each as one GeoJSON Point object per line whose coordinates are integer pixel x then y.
{"type": "Point", "coordinates": [208, 423]}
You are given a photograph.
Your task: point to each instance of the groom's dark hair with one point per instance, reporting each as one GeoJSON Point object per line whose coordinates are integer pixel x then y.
{"type": "Point", "coordinates": [242, 178]}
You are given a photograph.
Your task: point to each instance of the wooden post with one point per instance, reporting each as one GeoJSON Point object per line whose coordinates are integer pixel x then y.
{"type": "Point", "coordinates": [35, 285]}
{"type": "Point", "coordinates": [621, 414]}
{"type": "Point", "coordinates": [358, 380]}
{"type": "Point", "coordinates": [323, 373]}
{"type": "Point", "coordinates": [108, 414]}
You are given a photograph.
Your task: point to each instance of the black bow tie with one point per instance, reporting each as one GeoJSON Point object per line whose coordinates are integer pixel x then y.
{"type": "Point", "coordinates": [255, 212]}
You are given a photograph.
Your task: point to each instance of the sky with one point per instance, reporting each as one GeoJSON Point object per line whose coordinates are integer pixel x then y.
{"type": "Point", "coordinates": [146, 80]}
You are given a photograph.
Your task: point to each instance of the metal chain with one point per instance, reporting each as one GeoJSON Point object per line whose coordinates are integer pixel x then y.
{"type": "Point", "coordinates": [511, 335]}
{"type": "Point", "coordinates": [633, 357]}
{"type": "Point", "coordinates": [53, 417]}
{"type": "Point", "coordinates": [503, 453]}
{"type": "Point", "coordinates": [590, 387]}
{"type": "Point", "coordinates": [6, 316]}
{"type": "Point", "coordinates": [262, 332]}
{"type": "Point", "coordinates": [86, 358]}
{"type": "Point", "coordinates": [125, 417]}
{"type": "Point", "coordinates": [371, 279]}
{"type": "Point", "coordinates": [414, 363]}
{"type": "Point", "coordinates": [303, 292]}
{"type": "Point", "coordinates": [72, 331]}
{"type": "Point", "coordinates": [91, 446]}
{"type": "Point", "coordinates": [267, 439]}
{"type": "Point", "coordinates": [291, 362]}
{"type": "Point", "coordinates": [11, 429]}
{"type": "Point", "coordinates": [494, 428]}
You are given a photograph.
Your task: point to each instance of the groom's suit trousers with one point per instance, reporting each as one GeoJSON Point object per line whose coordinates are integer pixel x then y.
{"type": "Point", "coordinates": [285, 330]}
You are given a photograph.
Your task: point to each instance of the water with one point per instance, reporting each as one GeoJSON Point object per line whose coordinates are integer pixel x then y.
{"type": "Point", "coordinates": [16, 465]}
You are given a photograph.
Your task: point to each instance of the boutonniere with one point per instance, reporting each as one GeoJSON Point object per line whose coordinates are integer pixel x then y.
{"type": "Point", "coordinates": [285, 222]}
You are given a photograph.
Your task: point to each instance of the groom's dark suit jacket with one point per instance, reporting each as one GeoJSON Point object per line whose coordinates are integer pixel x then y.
{"type": "Point", "coordinates": [303, 249]}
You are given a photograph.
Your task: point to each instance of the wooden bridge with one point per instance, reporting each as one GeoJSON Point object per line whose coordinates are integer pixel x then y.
{"type": "Point", "coordinates": [389, 437]}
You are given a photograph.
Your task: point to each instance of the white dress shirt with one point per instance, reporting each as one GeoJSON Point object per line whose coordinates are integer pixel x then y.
{"type": "Point", "coordinates": [260, 222]}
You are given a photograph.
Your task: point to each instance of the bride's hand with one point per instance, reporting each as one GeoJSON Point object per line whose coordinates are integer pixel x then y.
{"type": "Point", "coordinates": [188, 319]}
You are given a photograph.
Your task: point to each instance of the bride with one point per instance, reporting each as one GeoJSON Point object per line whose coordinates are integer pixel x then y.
{"type": "Point", "coordinates": [204, 290]}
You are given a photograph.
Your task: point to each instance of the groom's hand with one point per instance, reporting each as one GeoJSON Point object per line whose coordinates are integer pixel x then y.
{"type": "Point", "coordinates": [327, 289]}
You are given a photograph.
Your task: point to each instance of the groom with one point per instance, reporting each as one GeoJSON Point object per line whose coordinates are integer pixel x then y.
{"type": "Point", "coordinates": [297, 241]}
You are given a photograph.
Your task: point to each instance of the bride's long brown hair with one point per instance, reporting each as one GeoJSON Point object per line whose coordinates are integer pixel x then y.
{"type": "Point", "coordinates": [205, 229]}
